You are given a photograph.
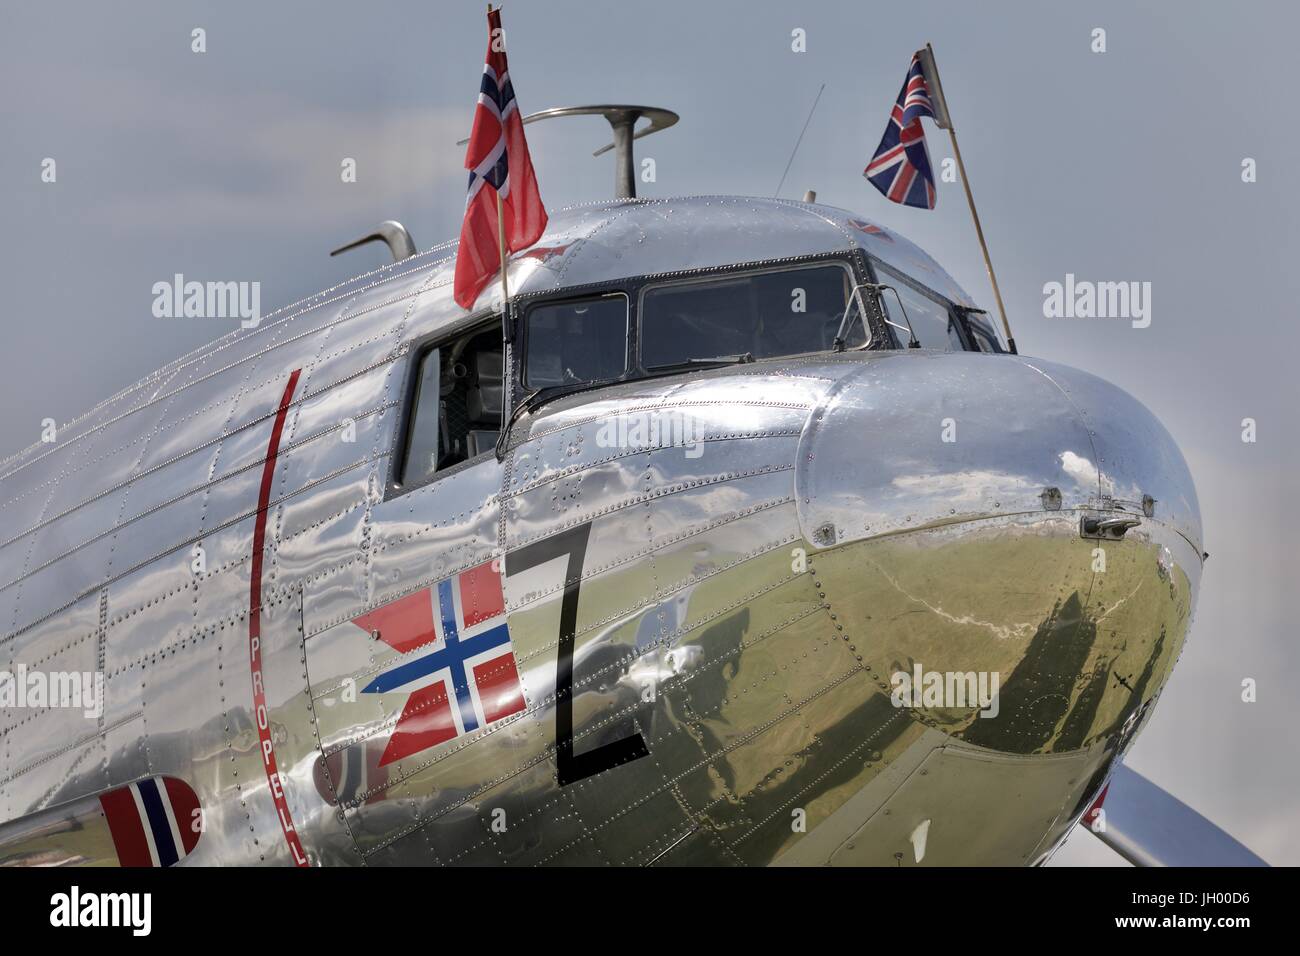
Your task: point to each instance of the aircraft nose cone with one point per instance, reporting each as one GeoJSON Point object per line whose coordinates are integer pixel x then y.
{"type": "Point", "coordinates": [911, 440]}
{"type": "Point", "coordinates": [1023, 524]}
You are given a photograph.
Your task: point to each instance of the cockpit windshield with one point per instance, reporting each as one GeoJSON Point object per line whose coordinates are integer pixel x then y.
{"type": "Point", "coordinates": [579, 340]}
{"type": "Point", "coordinates": [739, 317]}
{"type": "Point", "coordinates": [982, 332]}
{"type": "Point", "coordinates": [736, 317]}
{"type": "Point", "coordinates": [927, 317]}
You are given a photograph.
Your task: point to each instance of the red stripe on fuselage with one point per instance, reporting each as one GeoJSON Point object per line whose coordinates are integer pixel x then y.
{"type": "Point", "coordinates": [260, 713]}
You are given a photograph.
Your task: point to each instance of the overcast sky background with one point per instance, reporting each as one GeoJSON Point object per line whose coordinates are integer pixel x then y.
{"type": "Point", "coordinates": [1124, 165]}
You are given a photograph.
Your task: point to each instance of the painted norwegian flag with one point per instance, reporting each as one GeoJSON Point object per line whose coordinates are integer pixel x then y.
{"type": "Point", "coordinates": [498, 163]}
{"type": "Point", "coordinates": [457, 663]}
{"type": "Point", "coordinates": [153, 822]}
{"type": "Point", "coordinates": [901, 166]}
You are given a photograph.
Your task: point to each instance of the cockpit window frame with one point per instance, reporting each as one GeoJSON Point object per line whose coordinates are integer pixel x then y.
{"type": "Point", "coordinates": [886, 273]}
{"type": "Point", "coordinates": [648, 287]}
{"type": "Point", "coordinates": [992, 334]}
{"type": "Point", "coordinates": [521, 336]}
{"type": "Point", "coordinates": [862, 268]}
{"type": "Point", "coordinates": [855, 259]}
{"type": "Point", "coordinates": [417, 351]}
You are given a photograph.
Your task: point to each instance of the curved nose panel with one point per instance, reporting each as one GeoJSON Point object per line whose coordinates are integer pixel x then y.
{"type": "Point", "coordinates": [947, 496]}
{"type": "Point", "coordinates": [1136, 456]}
{"type": "Point", "coordinates": [914, 439]}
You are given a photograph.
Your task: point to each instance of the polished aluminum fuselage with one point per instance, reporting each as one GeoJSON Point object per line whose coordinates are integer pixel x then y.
{"type": "Point", "coordinates": [743, 609]}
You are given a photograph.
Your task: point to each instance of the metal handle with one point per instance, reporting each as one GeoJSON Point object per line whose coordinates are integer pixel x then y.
{"type": "Point", "coordinates": [1092, 526]}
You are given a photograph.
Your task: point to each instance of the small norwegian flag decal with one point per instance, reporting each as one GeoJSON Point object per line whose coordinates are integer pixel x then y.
{"type": "Point", "coordinates": [871, 229]}
{"type": "Point", "coordinates": [154, 821]}
{"type": "Point", "coordinates": [457, 664]}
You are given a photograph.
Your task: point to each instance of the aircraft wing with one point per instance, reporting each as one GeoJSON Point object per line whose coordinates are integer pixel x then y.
{"type": "Point", "coordinates": [1149, 826]}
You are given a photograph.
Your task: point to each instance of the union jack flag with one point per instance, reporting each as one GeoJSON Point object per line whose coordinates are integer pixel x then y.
{"type": "Point", "coordinates": [498, 163]}
{"type": "Point", "coordinates": [456, 664]}
{"type": "Point", "coordinates": [901, 166]}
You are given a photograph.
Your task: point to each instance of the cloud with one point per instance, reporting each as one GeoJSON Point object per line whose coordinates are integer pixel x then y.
{"type": "Point", "coordinates": [1083, 471]}
{"type": "Point", "coordinates": [173, 159]}
{"type": "Point", "coordinates": [972, 488]}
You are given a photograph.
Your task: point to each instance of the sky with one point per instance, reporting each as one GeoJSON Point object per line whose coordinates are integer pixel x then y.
{"type": "Point", "coordinates": [1122, 165]}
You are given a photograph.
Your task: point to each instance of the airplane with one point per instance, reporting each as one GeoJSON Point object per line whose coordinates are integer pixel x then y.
{"type": "Point", "coordinates": [706, 547]}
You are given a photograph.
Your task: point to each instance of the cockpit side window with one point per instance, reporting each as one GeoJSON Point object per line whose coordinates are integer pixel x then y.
{"type": "Point", "coordinates": [581, 340]}
{"type": "Point", "coordinates": [454, 407]}
{"type": "Point", "coordinates": [760, 314]}
{"type": "Point", "coordinates": [425, 426]}
{"type": "Point", "coordinates": [982, 332]}
{"type": "Point", "coordinates": [935, 324]}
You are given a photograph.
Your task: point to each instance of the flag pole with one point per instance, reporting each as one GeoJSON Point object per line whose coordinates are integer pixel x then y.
{"type": "Point", "coordinates": [945, 120]}
{"type": "Point", "coordinates": [501, 241]}
{"type": "Point", "coordinates": [501, 238]}
{"type": "Point", "coordinates": [507, 333]}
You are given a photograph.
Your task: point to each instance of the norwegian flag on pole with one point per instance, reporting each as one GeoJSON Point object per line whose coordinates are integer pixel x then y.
{"type": "Point", "coordinates": [456, 662]}
{"type": "Point", "coordinates": [901, 166]}
{"type": "Point", "coordinates": [498, 163]}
